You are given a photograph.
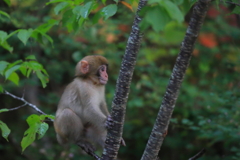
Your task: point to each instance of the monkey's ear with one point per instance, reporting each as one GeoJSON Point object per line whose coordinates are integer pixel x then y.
{"type": "Point", "coordinates": [84, 67]}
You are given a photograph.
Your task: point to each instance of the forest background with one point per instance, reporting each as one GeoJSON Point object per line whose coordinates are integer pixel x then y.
{"type": "Point", "coordinates": [207, 110]}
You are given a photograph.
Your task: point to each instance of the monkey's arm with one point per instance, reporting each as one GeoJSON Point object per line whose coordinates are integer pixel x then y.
{"type": "Point", "coordinates": [104, 109]}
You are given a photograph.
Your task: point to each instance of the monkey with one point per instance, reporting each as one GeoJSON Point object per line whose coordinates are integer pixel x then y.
{"type": "Point", "coordinates": [82, 116]}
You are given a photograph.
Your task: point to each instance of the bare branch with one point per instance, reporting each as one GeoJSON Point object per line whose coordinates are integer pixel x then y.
{"type": "Point", "coordinates": [26, 103]}
{"type": "Point", "coordinates": [13, 109]}
{"type": "Point", "coordinates": [231, 3]}
{"type": "Point", "coordinates": [198, 155]}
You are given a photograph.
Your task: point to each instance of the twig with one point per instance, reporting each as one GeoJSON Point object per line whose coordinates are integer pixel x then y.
{"type": "Point", "coordinates": [90, 153]}
{"type": "Point", "coordinates": [12, 109]}
{"type": "Point", "coordinates": [231, 3]}
{"type": "Point", "coordinates": [198, 155]}
{"type": "Point", "coordinates": [25, 104]}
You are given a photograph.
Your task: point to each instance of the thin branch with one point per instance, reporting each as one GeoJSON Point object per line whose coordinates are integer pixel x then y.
{"type": "Point", "coordinates": [231, 3]}
{"type": "Point", "coordinates": [13, 109]}
{"type": "Point", "coordinates": [90, 153]}
{"type": "Point", "coordinates": [198, 155]}
{"type": "Point", "coordinates": [26, 103]}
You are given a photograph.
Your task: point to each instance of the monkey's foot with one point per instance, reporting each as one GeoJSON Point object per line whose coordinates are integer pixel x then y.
{"type": "Point", "coordinates": [109, 122]}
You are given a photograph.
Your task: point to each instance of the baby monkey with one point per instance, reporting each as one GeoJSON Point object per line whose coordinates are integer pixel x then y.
{"type": "Point", "coordinates": [82, 115]}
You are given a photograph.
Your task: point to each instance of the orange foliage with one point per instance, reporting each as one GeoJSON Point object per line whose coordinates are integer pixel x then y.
{"type": "Point", "coordinates": [110, 38]}
{"type": "Point", "coordinates": [208, 40]}
{"type": "Point", "coordinates": [127, 5]}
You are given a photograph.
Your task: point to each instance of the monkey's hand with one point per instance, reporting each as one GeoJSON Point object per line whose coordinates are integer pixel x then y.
{"type": "Point", "coordinates": [109, 122]}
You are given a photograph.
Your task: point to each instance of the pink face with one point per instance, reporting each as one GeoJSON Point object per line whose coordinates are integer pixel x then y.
{"type": "Point", "coordinates": [103, 76]}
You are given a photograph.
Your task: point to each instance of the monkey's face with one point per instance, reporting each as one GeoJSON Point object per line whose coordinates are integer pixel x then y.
{"type": "Point", "coordinates": [102, 74]}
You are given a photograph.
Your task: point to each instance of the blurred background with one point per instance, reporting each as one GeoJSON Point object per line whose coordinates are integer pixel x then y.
{"type": "Point", "coordinates": [207, 112]}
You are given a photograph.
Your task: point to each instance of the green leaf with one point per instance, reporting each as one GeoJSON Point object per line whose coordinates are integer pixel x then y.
{"type": "Point", "coordinates": [44, 28]}
{"type": "Point", "coordinates": [157, 22]}
{"type": "Point", "coordinates": [8, 2]}
{"type": "Point", "coordinates": [42, 78]}
{"type": "Point", "coordinates": [109, 11]}
{"type": "Point", "coordinates": [13, 64]}
{"type": "Point", "coordinates": [35, 65]}
{"type": "Point", "coordinates": [172, 10]}
{"type": "Point", "coordinates": [3, 110]}
{"type": "Point", "coordinates": [5, 14]}
{"type": "Point", "coordinates": [36, 126]}
{"type": "Point", "coordinates": [29, 72]}
{"type": "Point", "coordinates": [30, 134]}
{"type": "Point", "coordinates": [6, 46]}
{"type": "Point", "coordinates": [104, 1]}
{"type": "Point", "coordinates": [55, 1]}
{"type": "Point", "coordinates": [32, 57]}
{"type": "Point", "coordinates": [3, 36]}
{"type": "Point", "coordinates": [60, 7]}
{"type": "Point", "coordinates": [42, 34]}
{"type": "Point", "coordinates": [86, 9]}
{"type": "Point", "coordinates": [43, 127]}
{"type": "Point", "coordinates": [77, 11]}
{"type": "Point", "coordinates": [24, 35]}
{"type": "Point", "coordinates": [236, 10]}
{"type": "Point", "coordinates": [11, 70]}
{"type": "Point", "coordinates": [23, 70]}
{"type": "Point", "coordinates": [14, 78]}
{"type": "Point", "coordinates": [3, 65]}
{"type": "Point", "coordinates": [1, 91]}
{"type": "Point", "coordinates": [5, 130]}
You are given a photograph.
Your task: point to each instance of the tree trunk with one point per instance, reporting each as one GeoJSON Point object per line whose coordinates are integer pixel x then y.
{"type": "Point", "coordinates": [161, 125]}
{"type": "Point", "coordinates": [114, 135]}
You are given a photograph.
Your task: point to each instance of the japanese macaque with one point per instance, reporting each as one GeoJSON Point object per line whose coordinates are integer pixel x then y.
{"type": "Point", "coordinates": [82, 115]}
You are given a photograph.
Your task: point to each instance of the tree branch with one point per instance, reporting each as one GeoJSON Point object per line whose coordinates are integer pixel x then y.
{"type": "Point", "coordinates": [198, 155]}
{"type": "Point", "coordinates": [26, 103]}
{"type": "Point", "coordinates": [114, 135]}
{"type": "Point", "coordinates": [161, 124]}
{"type": "Point", "coordinates": [231, 3]}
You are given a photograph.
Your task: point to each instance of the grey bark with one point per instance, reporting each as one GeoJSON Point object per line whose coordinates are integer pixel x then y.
{"type": "Point", "coordinates": [114, 135]}
{"type": "Point", "coordinates": [161, 124]}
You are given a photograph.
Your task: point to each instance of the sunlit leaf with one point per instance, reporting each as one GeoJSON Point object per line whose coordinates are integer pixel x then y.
{"type": "Point", "coordinates": [30, 134]}
{"type": "Point", "coordinates": [109, 11]}
{"type": "Point", "coordinates": [3, 110]}
{"type": "Point", "coordinates": [24, 35]}
{"type": "Point", "coordinates": [1, 91]}
{"type": "Point", "coordinates": [8, 2]}
{"type": "Point", "coordinates": [14, 78]}
{"type": "Point", "coordinates": [5, 130]}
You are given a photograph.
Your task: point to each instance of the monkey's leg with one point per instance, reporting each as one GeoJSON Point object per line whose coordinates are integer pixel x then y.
{"type": "Point", "coordinates": [72, 130]}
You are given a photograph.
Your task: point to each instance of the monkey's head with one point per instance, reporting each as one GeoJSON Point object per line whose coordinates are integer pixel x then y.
{"type": "Point", "coordinates": [93, 68]}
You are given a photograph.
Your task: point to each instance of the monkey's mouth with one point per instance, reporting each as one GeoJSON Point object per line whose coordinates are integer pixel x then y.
{"type": "Point", "coordinates": [103, 81]}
